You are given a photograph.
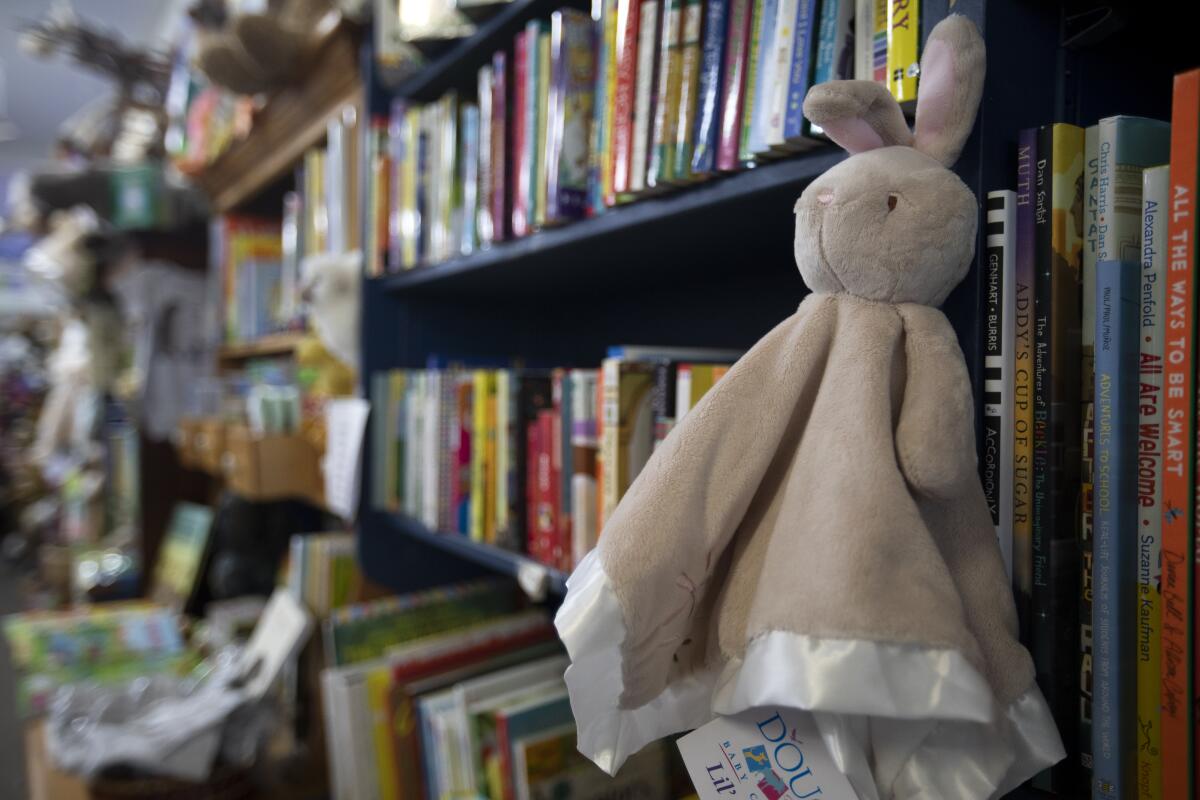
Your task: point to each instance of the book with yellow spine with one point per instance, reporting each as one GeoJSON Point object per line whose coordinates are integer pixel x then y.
{"type": "Point", "coordinates": [482, 494]}
{"type": "Point", "coordinates": [903, 48]}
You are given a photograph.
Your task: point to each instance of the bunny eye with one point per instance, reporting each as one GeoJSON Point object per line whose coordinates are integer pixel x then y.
{"type": "Point", "coordinates": [891, 202]}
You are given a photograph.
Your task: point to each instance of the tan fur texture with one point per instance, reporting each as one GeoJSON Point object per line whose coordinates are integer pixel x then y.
{"type": "Point", "coordinates": [827, 485]}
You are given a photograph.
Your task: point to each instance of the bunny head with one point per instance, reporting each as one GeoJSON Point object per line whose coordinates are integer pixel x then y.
{"type": "Point", "coordinates": [893, 223]}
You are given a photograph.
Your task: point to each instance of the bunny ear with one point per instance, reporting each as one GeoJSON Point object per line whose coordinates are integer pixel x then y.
{"type": "Point", "coordinates": [952, 70]}
{"type": "Point", "coordinates": [858, 115]}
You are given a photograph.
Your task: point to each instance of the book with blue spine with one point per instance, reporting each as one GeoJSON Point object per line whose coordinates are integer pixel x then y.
{"type": "Point", "coordinates": [835, 42]}
{"type": "Point", "coordinates": [764, 78]}
{"type": "Point", "coordinates": [795, 126]}
{"type": "Point", "coordinates": [1114, 565]}
{"type": "Point", "coordinates": [708, 96]}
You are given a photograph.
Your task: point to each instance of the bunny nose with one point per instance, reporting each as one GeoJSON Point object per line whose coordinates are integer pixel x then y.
{"type": "Point", "coordinates": [825, 196]}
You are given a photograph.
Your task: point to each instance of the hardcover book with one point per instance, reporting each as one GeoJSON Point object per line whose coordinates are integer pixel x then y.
{"type": "Point", "coordinates": [996, 466]}
{"type": "Point", "coordinates": [1114, 574]}
{"type": "Point", "coordinates": [1059, 235]}
{"type": "Point", "coordinates": [708, 94]}
{"type": "Point", "coordinates": [666, 99]}
{"type": "Point", "coordinates": [835, 42]}
{"type": "Point", "coordinates": [502, 137]}
{"type": "Point", "coordinates": [762, 79]}
{"type": "Point", "coordinates": [573, 68]}
{"type": "Point", "coordinates": [1179, 448]}
{"type": "Point", "coordinates": [522, 188]}
{"type": "Point", "coordinates": [903, 49]}
{"type": "Point", "coordinates": [750, 78]}
{"type": "Point", "coordinates": [624, 106]}
{"type": "Point", "coordinates": [541, 124]}
{"type": "Point", "coordinates": [732, 95]}
{"type": "Point", "coordinates": [1126, 146]}
{"type": "Point", "coordinates": [689, 86]}
{"type": "Point", "coordinates": [485, 180]}
{"type": "Point", "coordinates": [1155, 200]}
{"type": "Point", "coordinates": [1023, 370]}
{"type": "Point", "coordinates": [795, 126]}
{"type": "Point", "coordinates": [1087, 387]}
{"type": "Point", "coordinates": [649, 34]}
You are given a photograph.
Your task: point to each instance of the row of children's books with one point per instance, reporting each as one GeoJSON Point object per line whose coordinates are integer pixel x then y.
{"type": "Point", "coordinates": [587, 111]}
{"type": "Point", "coordinates": [530, 460]}
{"type": "Point", "coordinates": [460, 694]}
{"type": "Point", "coordinates": [1090, 436]}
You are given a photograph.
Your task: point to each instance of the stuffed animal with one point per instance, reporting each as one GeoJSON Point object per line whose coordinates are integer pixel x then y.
{"type": "Point", "coordinates": [249, 53]}
{"type": "Point", "coordinates": [813, 534]}
{"type": "Point", "coordinates": [329, 285]}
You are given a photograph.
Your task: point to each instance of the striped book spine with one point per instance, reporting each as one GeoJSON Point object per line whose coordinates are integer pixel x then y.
{"type": "Point", "coordinates": [997, 348]}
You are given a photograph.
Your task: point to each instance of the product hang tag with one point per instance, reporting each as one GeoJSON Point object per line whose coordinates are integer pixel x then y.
{"type": "Point", "coordinates": [763, 754]}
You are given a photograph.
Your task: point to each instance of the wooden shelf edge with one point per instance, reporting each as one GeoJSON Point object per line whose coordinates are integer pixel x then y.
{"type": "Point", "coordinates": [292, 121]}
{"type": "Point", "coordinates": [485, 555]}
{"type": "Point", "coordinates": [271, 345]}
{"type": "Point", "coordinates": [797, 171]}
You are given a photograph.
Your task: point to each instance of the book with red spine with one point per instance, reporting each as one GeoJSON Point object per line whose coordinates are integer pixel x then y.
{"type": "Point", "coordinates": [1179, 432]}
{"type": "Point", "coordinates": [624, 102]}
{"type": "Point", "coordinates": [520, 153]}
{"type": "Point", "coordinates": [737, 44]}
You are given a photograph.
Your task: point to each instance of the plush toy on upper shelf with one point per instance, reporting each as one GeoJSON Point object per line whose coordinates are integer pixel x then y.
{"type": "Point", "coordinates": [813, 534]}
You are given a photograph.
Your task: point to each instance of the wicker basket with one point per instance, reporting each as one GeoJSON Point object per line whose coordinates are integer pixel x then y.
{"type": "Point", "coordinates": [227, 783]}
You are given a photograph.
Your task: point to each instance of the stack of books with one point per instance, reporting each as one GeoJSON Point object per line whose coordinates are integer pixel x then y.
{"type": "Point", "coordinates": [530, 460]}
{"type": "Point", "coordinates": [323, 571]}
{"type": "Point", "coordinates": [586, 112]}
{"type": "Point", "coordinates": [1090, 435]}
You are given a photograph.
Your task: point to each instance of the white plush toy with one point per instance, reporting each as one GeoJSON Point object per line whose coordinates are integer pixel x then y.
{"type": "Point", "coordinates": [330, 286]}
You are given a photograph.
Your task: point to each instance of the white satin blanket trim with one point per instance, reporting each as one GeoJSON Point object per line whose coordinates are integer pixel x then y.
{"type": "Point", "coordinates": [901, 721]}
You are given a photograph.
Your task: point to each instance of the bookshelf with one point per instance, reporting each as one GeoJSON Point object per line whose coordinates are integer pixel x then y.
{"type": "Point", "coordinates": [711, 264]}
{"type": "Point", "coordinates": [276, 344]}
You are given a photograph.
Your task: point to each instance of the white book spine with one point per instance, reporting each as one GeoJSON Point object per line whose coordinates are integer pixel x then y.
{"type": "Point", "coordinates": [429, 460]}
{"type": "Point", "coordinates": [642, 113]}
{"type": "Point", "coordinates": [683, 392]}
{"type": "Point", "coordinates": [864, 38]}
{"type": "Point", "coordinates": [780, 71]}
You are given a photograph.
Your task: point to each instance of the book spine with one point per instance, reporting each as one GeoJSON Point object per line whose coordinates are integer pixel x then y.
{"type": "Point", "coordinates": [520, 205]}
{"type": "Point", "coordinates": [904, 42]}
{"type": "Point", "coordinates": [1087, 440]}
{"type": "Point", "coordinates": [578, 99]}
{"type": "Point", "coordinates": [628, 14]}
{"type": "Point", "coordinates": [1008, 321]}
{"type": "Point", "coordinates": [864, 27]}
{"type": "Point", "coordinates": [708, 94]}
{"type": "Point", "coordinates": [611, 31]}
{"type": "Point", "coordinates": [750, 78]}
{"type": "Point", "coordinates": [828, 39]}
{"type": "Point", "coordinates": [1149, 472]}
{"type": "Point", "coordinates": [505, 426]}
{"type": "Point", "coordinates": [1056, 468]}
{"type": "Point", "coordinates": [610, 437]}
{"type": "Point", "coordinates": [761, 78]}
{"type": "Point", "coordinates": [501, 189]}
{"type": "Point", "coordinates": [689, 86]}
{"type": "Point", "coordinates": [555, 122]}
{"type": "Point", "coordinates": [583, 462]}
{"type": "Point", "coordinates": [644, 112]}
{"type": "Point", "coordinates": [666, 100]}
{"type": "Point", "coordinates": [1023, 371]}
{"type": "Point", "coordinates": [798, 78]}
{"type": "Point", "coordinates": [486, 205]}
{"type": "Point", "coordinates": [1115, 569]}
{"type": "Point", "coordinates": [879, 42]}
{"type": "Point", "coordinates": [996, 399]}
{"type": "Point", "coordinates": [1178, 442]}
{"type": "Point", "coordinates": [736, 46]}
{"type": "Point", "coordinates": [596, 143]}
{"type": "Point", "coordinates": [1126, 145]}
{"type": "Point", "coordinates": [564, 418]}
{"type": "Point", "coordinates": [541, 124]}
{"type": "Point", "coordinates": [782, 52]}
{"type": "Point", "coordinates": [469, 173]}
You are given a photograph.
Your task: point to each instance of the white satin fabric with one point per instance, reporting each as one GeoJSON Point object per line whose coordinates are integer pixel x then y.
{"type": "Point", "coordinates": [901, 721]}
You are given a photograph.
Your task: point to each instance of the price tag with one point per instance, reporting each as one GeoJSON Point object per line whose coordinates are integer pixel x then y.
{"type": "Point", "coordinates": [763, 754]}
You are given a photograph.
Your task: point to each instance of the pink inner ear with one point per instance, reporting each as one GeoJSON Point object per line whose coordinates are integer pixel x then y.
{"type": "Point", "coordinates": [935, 96]}
{"type": "Point", "coordinates": [853, 134]}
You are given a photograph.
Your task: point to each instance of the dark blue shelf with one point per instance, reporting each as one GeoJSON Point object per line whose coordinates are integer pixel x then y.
{"type": "Point", "coordinates": [486, 555]}
{"type": "Point", "coordinates": [606, 250]}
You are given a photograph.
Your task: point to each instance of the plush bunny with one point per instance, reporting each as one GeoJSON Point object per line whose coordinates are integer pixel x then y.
{"type": "Point", "coordinates": [813, 534]}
